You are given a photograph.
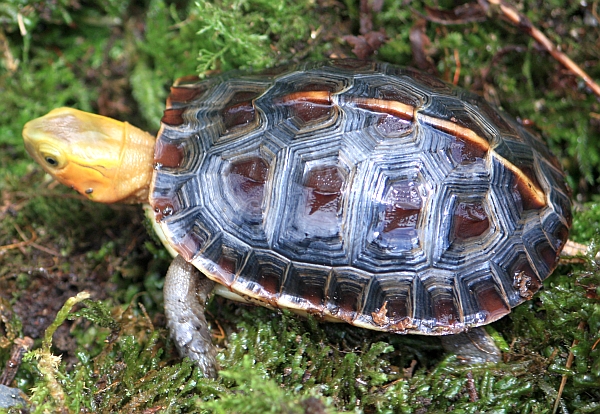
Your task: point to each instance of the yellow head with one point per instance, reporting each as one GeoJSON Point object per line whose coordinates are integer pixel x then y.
{"type": "Point", "coordinates": [106, 160]}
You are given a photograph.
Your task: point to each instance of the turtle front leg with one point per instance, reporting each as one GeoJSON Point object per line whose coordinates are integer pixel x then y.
{"type": "Point", "coordinates": [472, 347]}
{"type": "Point", "coordinates": [185, 293]}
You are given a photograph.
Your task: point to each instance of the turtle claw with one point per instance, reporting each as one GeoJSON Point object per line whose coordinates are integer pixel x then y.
{"type": "Point", "coordinates": [185, 292]}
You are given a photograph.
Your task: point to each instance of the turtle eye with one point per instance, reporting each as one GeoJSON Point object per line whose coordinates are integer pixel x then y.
{"type": "Point", "coordinates": [51, 158]}
{"type": "Point", "coordinates": [51, 161]}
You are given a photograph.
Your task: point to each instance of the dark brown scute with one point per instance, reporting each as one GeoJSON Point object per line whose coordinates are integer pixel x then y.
{"type": "Point", "coordinates": [167, 154]}
{"type": "Point", "coordinates": [264, 274]}
{"type": "Point", "coordinates": [470, 220]}
{"type": "Point", "coordinates": [239, 109]}
{"type": "Point", "coordinates": [561, 233]}
{"type": "Point", "coordinates": [308, 107]}
{"type": "Point", "coordinates": [324, 185]}
{"type": "Point", "coordinates": [345, 293]}
{"type": "Point", "coordinates": [308, 284]}
{"type": "Point", "coordinates": [182, 95]}
{"type": "Point", "coordinates": [527, 188]}
{"type": "Point", "coordinates": [489, 299]}
{"type": "Point", "coordinates": [165, 207]}
{"type": "Point", "coordinates": [525, 191]}
{"type": "Point", "coordinates": [444, 310]}
{"type": "Point", "coordinates": [228, 264]}
{"type": "Point", "coordinates": [465, 152]}
{"type": "Point", "coordinates": [388, 302]}
{"type": "Point", "coordinates": [547, 254]}
{"type": "Point", "coordinates": [173, 117]}
{"type": "Point", "coordinates": [238, 115]}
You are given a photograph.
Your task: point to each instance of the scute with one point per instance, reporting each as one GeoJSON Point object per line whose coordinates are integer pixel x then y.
{"type": "Point", "coordinates": [360, 192]}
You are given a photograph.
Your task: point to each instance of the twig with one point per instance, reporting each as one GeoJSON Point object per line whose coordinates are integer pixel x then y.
{"type": "Point", "coordinates": [563, 381]}
{"type": "Point", "coordinates": [20, 347]}
{"type": "Point", "coordinates": [28, 242]}
{"type": "Point", "coordinates": [458, 66]}
{"type": "Point", "coordinates": [523, 22]}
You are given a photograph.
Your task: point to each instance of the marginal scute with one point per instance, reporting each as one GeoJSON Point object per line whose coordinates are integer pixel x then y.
{"type": "Point", "coordinates": [489, 299]}
{"type": "Point", "coordinates": [227, 264]}
{"type": "Point", "coordinates": [165, 207]}
{"type": "Point", "coordinates": [525, 280]}
{"type": "Point", "coordinates": [429, 81]}
{"type": "Point", "coordinates": [269, 280]}
{"type": "Point", "coordinates": [173, 117]}
{"type": "Point", "coordinates": [168, 154]}
{"type": "Point", "coordinates": [389, 302]}
{"type": "Point", "coordinates": [354, 65]}
{"type": "Point", "coordinates": [190, 244]}
{"type": "Point", "coordinates": [444, 311]}
{"type": "Point", "coordinates": [547, 254]}
{"type": "Point", "coordinates": [181, 95]}
{"type": "Point", "coordinates": [305, 285]}
{"type": "Point", "coordinates": [506, 128]}
{"type": "Point", "coordinates": [188, 80]}
{"type": "Point", "coordinates": [359, 191]}
{"type": "Point", "coordinates": [263, 275]}
{"type": "Point", "coordinates": [561, 234]}
{"type": "Point", "coordinates": [345, 293]}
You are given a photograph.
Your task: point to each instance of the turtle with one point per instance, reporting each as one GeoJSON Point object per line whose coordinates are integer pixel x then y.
{"type": "Point", "coordinates": [356, 191]}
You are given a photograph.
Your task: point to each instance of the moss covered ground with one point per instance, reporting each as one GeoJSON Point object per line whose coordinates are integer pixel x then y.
{"type": "Point", "coordinates": [110, 353]}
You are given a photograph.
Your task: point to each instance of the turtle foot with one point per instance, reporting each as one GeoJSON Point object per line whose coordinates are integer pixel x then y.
{"type": "Point", "coordinates": [185, 293]}
{"type": "Point", "coordinates": [472, 347]}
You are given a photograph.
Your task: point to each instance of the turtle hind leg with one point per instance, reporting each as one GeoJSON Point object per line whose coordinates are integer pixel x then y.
{"type": "Point", "coordinates": [475, 346]}
{"type": "Point", "coordinates": [185, 293]}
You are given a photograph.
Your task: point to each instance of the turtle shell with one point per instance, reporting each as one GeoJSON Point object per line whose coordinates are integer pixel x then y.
{"type": "Point", "coordinates": [359, 191]}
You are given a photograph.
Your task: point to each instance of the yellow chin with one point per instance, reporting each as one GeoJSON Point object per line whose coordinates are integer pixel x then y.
{"type": "Point", "coordinates": [89, 182]}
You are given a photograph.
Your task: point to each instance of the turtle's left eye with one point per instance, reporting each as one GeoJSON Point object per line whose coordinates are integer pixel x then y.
{"type": "Point", "coordinates": [51, 161]}
{"type": "Point", "coordinates": [51, 157]}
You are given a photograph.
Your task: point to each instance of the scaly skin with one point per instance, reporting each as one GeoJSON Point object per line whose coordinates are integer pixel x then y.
{"type": "Point", "coordinates": [186, 291]}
